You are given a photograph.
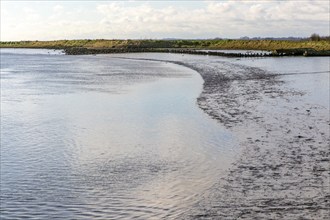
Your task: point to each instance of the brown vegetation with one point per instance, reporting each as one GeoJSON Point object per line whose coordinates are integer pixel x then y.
{"type": "Point", "coordinates": [316, 43]}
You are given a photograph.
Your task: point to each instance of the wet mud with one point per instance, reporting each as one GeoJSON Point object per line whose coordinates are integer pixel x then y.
{"type": "Point", "coordinates": [283, 170]}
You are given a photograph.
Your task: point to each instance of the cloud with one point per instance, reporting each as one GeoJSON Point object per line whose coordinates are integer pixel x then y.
{"type": "Point", "coordinates": [30, 14]}
{"type": "Point", "coordinates": [58, 8]}
{"type": "Point", "coordinates": [145, 19]}
{"type": "Point", "coordinates": [216, 18]}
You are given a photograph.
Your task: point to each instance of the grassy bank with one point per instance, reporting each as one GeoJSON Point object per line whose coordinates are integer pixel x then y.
{"type": "Point", "coordinates": [205, 44]}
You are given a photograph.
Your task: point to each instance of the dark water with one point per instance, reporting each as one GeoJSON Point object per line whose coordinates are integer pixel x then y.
{"type": "Point", "coordinates": [101, 137]}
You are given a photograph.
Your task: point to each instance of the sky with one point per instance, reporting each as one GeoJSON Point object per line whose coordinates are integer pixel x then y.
{"type": "Point", "coordinates": [136, 19]}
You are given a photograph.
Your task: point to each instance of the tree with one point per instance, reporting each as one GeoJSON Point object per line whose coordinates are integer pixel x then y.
{"type": "Point", "coordinates": [315, 37]}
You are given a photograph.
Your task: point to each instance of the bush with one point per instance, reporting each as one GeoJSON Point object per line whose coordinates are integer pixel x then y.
{"type": "Point", "coordinates": [315, 37]}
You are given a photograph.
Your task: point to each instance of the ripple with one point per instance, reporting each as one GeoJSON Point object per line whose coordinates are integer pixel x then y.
{"type": "Point", "coordinates": [93, 137]}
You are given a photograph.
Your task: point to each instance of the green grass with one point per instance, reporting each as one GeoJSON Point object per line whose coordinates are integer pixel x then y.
{"type": "Point", "coordinates": [206, 44]}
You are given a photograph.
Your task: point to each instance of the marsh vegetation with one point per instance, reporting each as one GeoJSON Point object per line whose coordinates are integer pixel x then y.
{"type": "Point", "coordinates": [319, 44]}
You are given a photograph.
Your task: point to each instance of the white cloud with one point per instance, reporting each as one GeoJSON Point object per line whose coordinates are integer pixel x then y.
{"type": "Point", "coordinates": [231, 18]}
{"type": "Point", "coordinates": [30, 14]}
{"type": "Point", "coordinates": [58, 8]}
{"type": "Point", "coordinates": [144, 19]}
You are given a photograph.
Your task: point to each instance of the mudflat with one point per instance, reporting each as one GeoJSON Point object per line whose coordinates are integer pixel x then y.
{"type": "Point", "coordinates": [283, 170]}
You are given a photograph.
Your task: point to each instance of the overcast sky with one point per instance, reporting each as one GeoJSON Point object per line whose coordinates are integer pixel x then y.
{"type": "Point", "coordinates": [52, 20]}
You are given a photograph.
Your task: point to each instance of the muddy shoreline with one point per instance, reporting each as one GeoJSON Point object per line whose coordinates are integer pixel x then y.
{"type": "Point", "coordinates": [283, 171]}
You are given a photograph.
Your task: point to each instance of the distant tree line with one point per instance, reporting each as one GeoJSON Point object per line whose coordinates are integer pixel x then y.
{"type": "Point", "coordinates": [317, 37]}
{"type": "Point", "coordinates": [313, 37]}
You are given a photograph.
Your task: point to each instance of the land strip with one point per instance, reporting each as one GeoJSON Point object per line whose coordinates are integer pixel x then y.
{"type": "Point", "coordinates": [278, 47]}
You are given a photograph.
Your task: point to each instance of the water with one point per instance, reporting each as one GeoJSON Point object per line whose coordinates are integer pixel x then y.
{"type": "Point", "coordinates": [100, 137]}
{"type": "Point", "coordinates": [241, 51]}
{"type": "Point", "coordinates": [310, 75]}
{"type": "Point", "coordinates": [106, 137]}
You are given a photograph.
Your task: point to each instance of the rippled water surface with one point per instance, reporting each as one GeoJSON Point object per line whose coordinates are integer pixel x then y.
{"type": "Point", "coordinates": [102, 137]}
{"type": "Point", "coordinates": [119, 136]}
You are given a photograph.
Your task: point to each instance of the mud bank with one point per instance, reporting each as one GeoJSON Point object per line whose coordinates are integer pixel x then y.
{"type": "Point", "coordinates": [283, 171]}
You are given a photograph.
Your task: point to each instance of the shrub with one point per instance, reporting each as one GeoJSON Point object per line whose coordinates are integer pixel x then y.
{"type": "Point", "coordinates": [315, 37]}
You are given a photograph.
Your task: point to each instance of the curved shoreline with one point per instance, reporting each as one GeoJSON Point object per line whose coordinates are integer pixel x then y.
{"type": "Point", "coordinates": [218, 89]}
{"type": "Point", "coordinates": [283, 169]}
{"type": "Point", "coordinates": [282, 172]}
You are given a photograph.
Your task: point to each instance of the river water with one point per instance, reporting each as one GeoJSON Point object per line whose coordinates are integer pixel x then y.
{"type": "Point", "coordinates": [109, 137]}
{"type": "Point", "coordinates": [99, 137]}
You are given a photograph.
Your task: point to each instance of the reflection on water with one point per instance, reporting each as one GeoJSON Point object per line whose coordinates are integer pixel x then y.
{"type": "Point", "coordinates": [104, 137]}
{"type": "Point", "coordinates": [307, 74]}
{"type": "Point", "coordinates": [99, 137]}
